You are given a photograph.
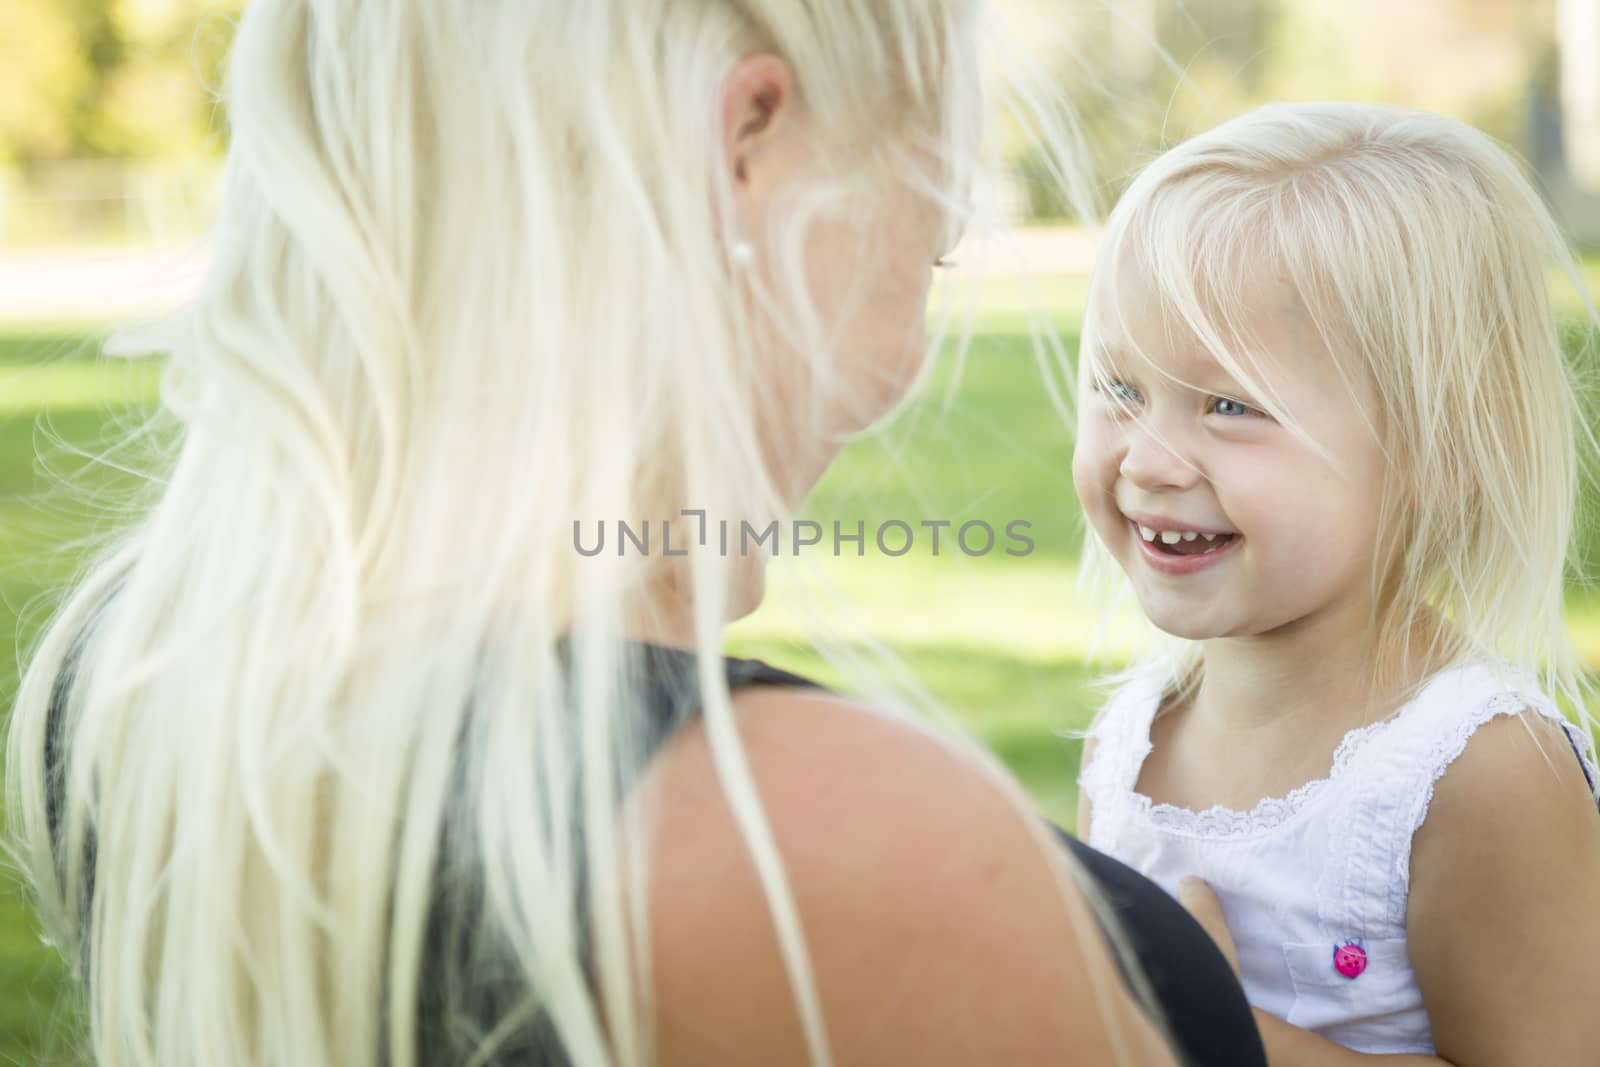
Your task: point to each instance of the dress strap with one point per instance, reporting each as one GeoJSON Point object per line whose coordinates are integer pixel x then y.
{"type": "Point", "coordinates": [1121, 735]}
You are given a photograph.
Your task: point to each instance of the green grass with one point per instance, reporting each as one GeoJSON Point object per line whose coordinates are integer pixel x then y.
{"type": "Point", "coordinates": [998, 641]}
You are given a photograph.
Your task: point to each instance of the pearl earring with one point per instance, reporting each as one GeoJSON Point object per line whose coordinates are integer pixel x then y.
{"type": "Point", "coordinates": [744, 253]}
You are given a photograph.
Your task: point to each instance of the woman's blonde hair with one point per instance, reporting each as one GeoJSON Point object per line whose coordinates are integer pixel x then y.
{"type": "Point", "coordinates": [1419, 252]}
{"type": "Point", "coordinates": [472, 280]}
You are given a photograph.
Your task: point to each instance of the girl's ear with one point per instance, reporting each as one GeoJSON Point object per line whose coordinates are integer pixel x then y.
{"type": "Point", "coordinates": [758, 106]}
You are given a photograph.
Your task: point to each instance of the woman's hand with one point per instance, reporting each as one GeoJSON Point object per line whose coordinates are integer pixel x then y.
{"type": "Point", "coordinates": [1287, 1045]}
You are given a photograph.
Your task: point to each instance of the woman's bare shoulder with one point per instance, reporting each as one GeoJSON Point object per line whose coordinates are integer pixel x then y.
{"type": "Point", "coordinates": [943, 925]}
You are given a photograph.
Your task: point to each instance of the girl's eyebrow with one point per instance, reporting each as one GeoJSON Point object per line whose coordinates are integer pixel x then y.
{"type": "Point", "coordinates": [1200, 370]}
{"type": "Point", "coordinates": [1207, 372]}
{"type": "Point", "coordinates": [1109, 357]}
{"type": "Point", "coordinates": [1218, 380]}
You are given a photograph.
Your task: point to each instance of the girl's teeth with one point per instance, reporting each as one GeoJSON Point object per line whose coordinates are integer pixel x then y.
{"type": "Point", "coordinates": [1172, 537]}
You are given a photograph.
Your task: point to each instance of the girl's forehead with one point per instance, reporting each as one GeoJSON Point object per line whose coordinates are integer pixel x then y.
{"type": "Point", "coordinates": [1254, 325]}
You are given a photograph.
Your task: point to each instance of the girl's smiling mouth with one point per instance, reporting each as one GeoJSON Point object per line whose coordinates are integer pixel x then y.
{"type": "Point", "coordinates": [1176, 550]}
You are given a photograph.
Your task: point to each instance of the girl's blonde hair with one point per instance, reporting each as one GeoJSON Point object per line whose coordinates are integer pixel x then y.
{"type": "Point", "coordinates": [1418, 251]}
{"type": "Point", "coordinates": [472, 281]}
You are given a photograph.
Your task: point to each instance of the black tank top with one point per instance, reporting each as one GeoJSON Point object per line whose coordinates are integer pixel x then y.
{"type": "Point", "coordinates": [1193, 989]}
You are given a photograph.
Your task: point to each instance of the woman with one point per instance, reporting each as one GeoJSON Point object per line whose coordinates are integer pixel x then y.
{"type": "Point", "coordinates": [347, 755]}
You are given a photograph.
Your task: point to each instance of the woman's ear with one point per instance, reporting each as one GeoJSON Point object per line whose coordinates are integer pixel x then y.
{"type": "Point", "coordinates": [758, 108]}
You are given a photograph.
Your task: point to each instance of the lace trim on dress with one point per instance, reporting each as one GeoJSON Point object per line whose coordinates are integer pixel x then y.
{"type": "Point", "coordinates": [1268, 814]}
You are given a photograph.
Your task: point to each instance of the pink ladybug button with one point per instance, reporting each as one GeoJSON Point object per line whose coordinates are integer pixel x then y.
{"type": "Point", "coordinates": [1350, 959]}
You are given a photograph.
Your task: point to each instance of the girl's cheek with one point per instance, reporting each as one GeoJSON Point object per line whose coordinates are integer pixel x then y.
{"type": "Point", "coordinates": [1087, 462]}
{"type": "Point", "coordinates": [1095, 457]}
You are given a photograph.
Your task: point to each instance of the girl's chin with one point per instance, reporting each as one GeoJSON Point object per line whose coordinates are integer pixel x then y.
{"type": "Point", "coordinates": [1174, 622]}
{"type": "Point", "coordinates": [1188, 633]}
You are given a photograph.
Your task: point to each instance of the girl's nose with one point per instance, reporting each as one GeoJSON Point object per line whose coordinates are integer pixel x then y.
{"type": "Point", "coordinates": [1153, 461]}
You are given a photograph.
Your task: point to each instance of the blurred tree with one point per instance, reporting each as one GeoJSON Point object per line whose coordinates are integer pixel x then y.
{"type": "Point", "coordinates": [1145, 74]}
{"type": "Point", "coordinates": [1580, 91]}
{"type": "Point", "coordinates": [117, 78]}
{"type": "Point", "coordinates": [45, 76]}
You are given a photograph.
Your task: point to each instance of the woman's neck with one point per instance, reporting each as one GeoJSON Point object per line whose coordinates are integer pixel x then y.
{"type": "Point", "coordinates": [665, 613]}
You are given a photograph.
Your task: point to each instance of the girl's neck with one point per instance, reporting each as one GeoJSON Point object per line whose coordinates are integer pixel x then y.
{"type": "Point", "coordinates": [1328, 671]}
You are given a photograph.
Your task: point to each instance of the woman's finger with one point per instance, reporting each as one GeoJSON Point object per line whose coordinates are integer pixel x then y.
{"type": "Point", "coordinates": [1199, 900]}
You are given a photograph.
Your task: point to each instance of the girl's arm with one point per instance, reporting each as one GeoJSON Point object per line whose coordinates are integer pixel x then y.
{"type": "Point", "coordinates": [1503, 916]}
{"type": "Point", "coordinates": [1290, 1046]}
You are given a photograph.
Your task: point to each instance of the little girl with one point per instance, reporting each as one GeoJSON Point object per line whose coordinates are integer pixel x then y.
{"type": "Point", "coordinates": [1328, 433]}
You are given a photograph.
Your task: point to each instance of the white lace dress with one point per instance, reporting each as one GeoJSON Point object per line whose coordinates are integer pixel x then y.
{"type": "Point", "coordinates": [1314, 884]}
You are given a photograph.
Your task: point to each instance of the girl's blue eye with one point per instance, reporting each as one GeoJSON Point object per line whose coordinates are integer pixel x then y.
{"type": "Point", "coordinates": [1231, 408]}
{"type": "Point", "coordinates": [1121, 391]}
